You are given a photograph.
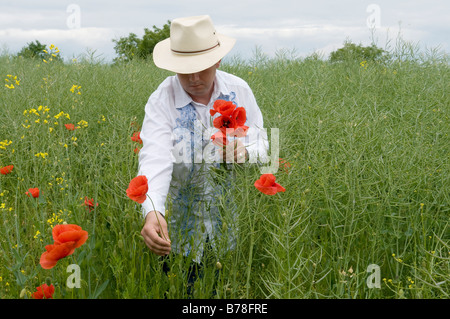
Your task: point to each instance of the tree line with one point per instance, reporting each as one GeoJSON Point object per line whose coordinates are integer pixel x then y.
{"type": "Point", "coordinates": [133, 47]}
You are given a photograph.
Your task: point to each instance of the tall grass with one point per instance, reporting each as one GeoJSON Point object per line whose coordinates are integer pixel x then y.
{"type": "Point", "coordinates": [368, 181]}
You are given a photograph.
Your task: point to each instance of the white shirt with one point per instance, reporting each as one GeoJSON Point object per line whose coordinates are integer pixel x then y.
{"type": "Point", "coordinates": [177, 153]}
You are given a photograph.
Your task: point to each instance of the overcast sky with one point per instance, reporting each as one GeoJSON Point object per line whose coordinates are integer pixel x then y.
{"type": "Point", "coordinates": [298, 27]}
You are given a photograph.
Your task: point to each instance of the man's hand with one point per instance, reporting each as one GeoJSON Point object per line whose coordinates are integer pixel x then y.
{"type": "Point", "coordinates": [155, 232]}
{"type": "Point", "coordinates": [234, 152]}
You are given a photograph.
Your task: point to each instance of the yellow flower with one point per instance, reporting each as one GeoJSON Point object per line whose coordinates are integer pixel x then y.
{"type": "Point", "coordinates": [43, 155]}
{"type": "Point", "coordinates": [37, 234]}
{"type": "Point", "coordinates": [83, 123]}
{"type": "Point", "coordinates": [75, 87]}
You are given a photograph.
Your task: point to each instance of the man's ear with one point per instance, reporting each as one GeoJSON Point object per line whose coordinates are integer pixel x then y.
{"type": "Point", "coordinates": [218, 63]}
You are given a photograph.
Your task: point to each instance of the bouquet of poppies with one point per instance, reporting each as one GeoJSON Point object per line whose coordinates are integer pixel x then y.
{"type": "Point", "coordinates": [230, 122]}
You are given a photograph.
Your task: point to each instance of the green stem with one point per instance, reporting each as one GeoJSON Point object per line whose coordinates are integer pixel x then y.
{"type": "Point", "coordinates": [252, 242]}
{"type": "Point", "coordinates": [156, 214]}
{"type": "Point", "coordinates": [249, 263]}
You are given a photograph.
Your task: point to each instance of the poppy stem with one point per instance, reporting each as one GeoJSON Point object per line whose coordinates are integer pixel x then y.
{"type": "Point", "coordinates": [156, 214]}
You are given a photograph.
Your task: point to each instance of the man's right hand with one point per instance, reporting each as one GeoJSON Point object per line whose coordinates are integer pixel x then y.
{"type": "Point", "coordinates": [154, 232]}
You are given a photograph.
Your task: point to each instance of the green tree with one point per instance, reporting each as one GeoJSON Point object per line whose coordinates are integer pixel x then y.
{"type": "Point", "coordinates": [352, 52]}
{"type": "Point", "coordinates": [33, 50]}
{"type": "Point", "coordinates": [131, 47]}
{"type": "Point", "coordinates": [38, 50]}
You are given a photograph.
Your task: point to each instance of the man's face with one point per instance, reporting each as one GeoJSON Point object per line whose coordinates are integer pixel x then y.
{"type": "Point", "coordinates": [199, 85]}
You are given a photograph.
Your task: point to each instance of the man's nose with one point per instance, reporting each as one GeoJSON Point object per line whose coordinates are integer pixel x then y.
{"type": "Point", "coordinates": [194, 77]}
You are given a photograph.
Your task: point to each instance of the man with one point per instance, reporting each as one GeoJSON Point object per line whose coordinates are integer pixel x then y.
{"type": "Point", "coordinates": [176, 119]}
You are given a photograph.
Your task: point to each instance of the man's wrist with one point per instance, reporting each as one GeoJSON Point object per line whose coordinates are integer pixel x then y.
{"type": "Point", "coordinates": [153, 212]}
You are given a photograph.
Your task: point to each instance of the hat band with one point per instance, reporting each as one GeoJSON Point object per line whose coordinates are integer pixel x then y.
{"type": "Point", "coordinates": [195, 52]}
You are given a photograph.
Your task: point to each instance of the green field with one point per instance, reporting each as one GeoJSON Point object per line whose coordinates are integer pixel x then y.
{"type": "Point", "coordinates": [368, 182]}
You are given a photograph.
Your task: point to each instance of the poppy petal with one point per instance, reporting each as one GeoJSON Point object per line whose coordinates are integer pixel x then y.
{"type": "Point", "coordinates": [79, 237]}
{"type": "Point", "coordinates": [54, 253]}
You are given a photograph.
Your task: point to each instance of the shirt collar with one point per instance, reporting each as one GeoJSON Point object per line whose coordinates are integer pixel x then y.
{"type": "Point", "coordinates": [181, 97]}
{"type": "Point", "coordinates": [219, 87]}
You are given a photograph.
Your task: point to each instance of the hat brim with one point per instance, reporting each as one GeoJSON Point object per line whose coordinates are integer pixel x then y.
{"type": "Point", "coordinates": [165, 58]}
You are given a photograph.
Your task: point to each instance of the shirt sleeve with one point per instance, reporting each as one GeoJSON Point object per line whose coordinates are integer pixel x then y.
{"type": "Point", "coordinates": [155, 157]}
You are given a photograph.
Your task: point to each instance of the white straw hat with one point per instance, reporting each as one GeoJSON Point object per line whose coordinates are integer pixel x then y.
{"type": "Point", "coordinates": [193, 46]}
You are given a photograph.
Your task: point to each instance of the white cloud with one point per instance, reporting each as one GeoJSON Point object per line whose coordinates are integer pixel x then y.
{"type": "Point", "coordinates": [290, 24]}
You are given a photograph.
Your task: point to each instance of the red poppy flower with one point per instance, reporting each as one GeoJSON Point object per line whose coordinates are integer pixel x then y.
{"type": "Point", "coordinates": [44, 291]}
{"type": "Point", "coordinates": [224, 123]}
{"type": "Point", "coordinates": [70, 127]}
{"type": "Point", "coordinates": [267, 185]}
{"type": "Point", "coordinates": [240, 131]}
{"type": "Point", "coordinates": [33, 191]}
{"type": "Point", "coordinates": [137, 150]}
{"type": "Point", "coordinates": [66, 238]}
{"type": "Point", "coordinates": [89, 203]}
{"type": "Point", "coordinates": [69, 233]}
{"type": "Point", "coordinates": [136, 137]}
{"type": "Point", "coordinates": [6, 170]}
{"type": "Point", "coordinates": [223, 107]}
{"type": "Point", "coordinates": [138, 188]}
{"type": "Point", "coordinates": [219, 139]}
{"type": "Point", "coordinates": [240, 116]}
